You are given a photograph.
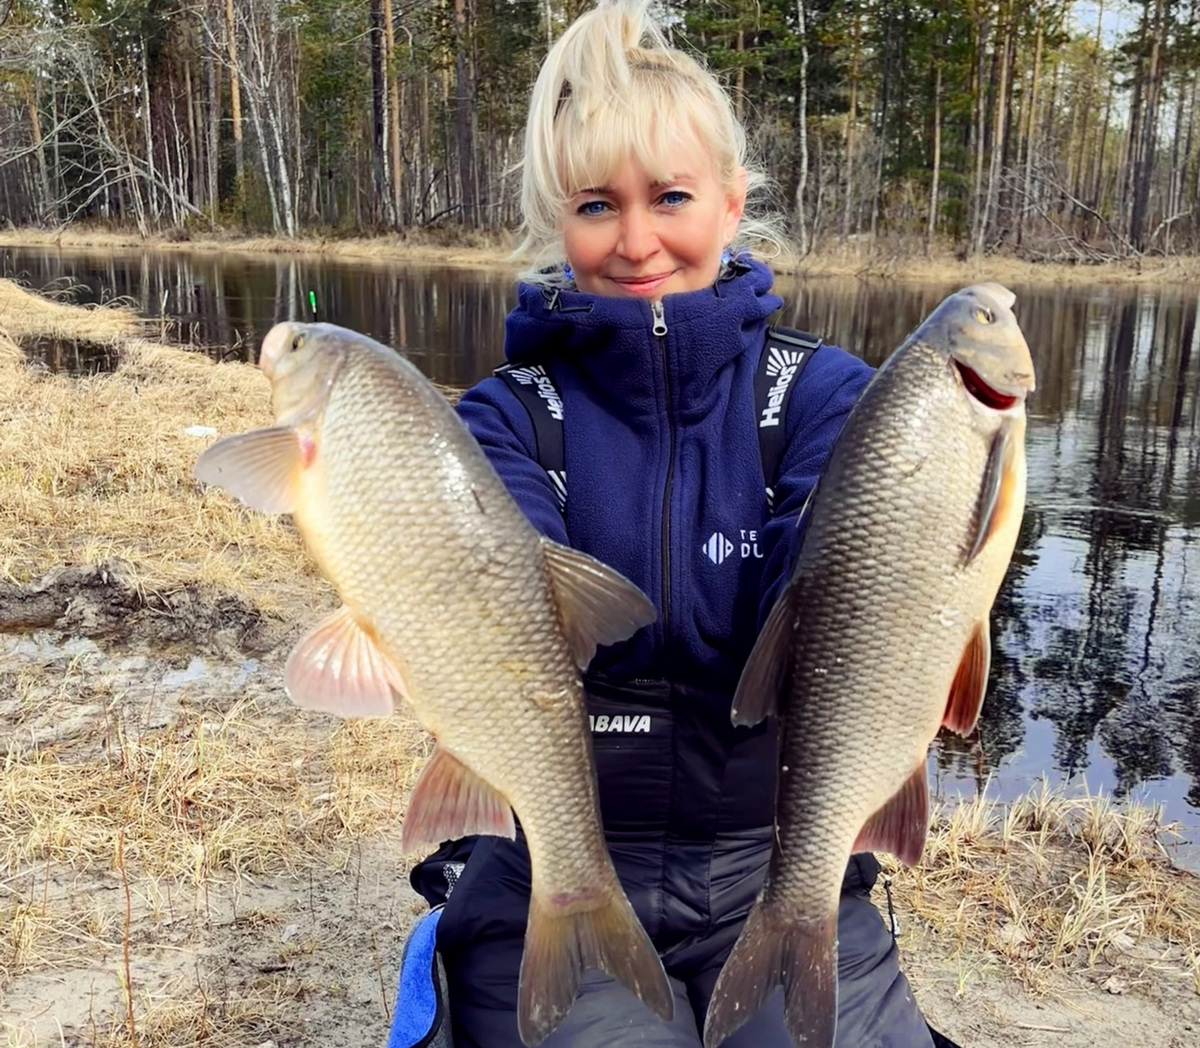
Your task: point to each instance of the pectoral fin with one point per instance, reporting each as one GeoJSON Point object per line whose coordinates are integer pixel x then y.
{"type": "Point", "coordinates": [260, 468]}
{"type": "Point", "coordinates": [901, 824]}
{"type": "Point", "coordinates": [596, 604]}
{"type": "Point", "coordinates": [970, 683]}
{"type": "Point", "coordinates": [338, 668]}
{"type": "Point", "coordinates": [765, 674]}
{"type": "Point", "coordinates": [451, 801]}
{"type": "Point", "coordinates": [996, 493]}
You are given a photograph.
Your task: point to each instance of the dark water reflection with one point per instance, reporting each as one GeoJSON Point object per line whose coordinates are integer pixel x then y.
{"type": "Point", "coordinates": [1095, 655]}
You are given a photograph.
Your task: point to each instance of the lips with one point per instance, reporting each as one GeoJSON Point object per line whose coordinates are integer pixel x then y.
{"type": "Point", "coordinates": [641, 285]}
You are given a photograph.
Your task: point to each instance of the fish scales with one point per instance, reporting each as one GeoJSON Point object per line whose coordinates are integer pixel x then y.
{"type": "Point", "coordinates": [880, 637]}
{"type": "Point", "coordinates": [452, 600]}
{"type": "Point", "coordinates": [856, 688]}
{"type": "Point", "coordinates": [482, 624]}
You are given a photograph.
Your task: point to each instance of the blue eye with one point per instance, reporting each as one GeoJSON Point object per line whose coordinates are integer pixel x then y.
{"type": "Point", "coordinates": [675, 197]}
{"type": "Point", "coordinates": [592, 207]}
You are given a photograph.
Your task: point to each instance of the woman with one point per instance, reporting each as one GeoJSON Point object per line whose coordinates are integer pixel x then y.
{"type": "Point", "coordinates": [651, 322]}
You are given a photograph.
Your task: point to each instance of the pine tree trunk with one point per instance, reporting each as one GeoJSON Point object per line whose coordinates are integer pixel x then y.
{"type": "Point", "coordinates": [936, 163]}
{"type": "Point", "coordinates": [463, 104]}
{"type": "Point", "coordinates": [801, 130]}
{"type": "Point", "coordinates": [982, 30]}
{"type": "Point", "coordinates": [397, 172]}
{"type": "Point", "coordinates": [44, 209]}
{"type": "Point", "coordinates": [235, 112]}
{"type": "Point", "coordinates": [1031, 127]}
{"type": "Point", "coordinates": [851, 125]}
{"type": "Point", "coordinates": [1144, 167]}
{"type": "Point", "coordinates": [999, 127]}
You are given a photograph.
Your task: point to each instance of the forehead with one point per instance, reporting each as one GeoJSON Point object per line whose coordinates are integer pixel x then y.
{"type": "Point", "coordinates": [647, 162]}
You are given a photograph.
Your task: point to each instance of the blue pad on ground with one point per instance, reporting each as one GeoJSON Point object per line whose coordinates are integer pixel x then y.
{"type": "Point", "coordinates": [418, 1011]}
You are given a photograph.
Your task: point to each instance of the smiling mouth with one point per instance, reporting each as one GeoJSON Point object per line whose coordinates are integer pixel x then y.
{"type": "Point", "coordinates": [641, 283]}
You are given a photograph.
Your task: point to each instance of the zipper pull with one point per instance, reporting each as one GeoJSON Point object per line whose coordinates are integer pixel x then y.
{"type": "Point", "coordinates": [660, 322]}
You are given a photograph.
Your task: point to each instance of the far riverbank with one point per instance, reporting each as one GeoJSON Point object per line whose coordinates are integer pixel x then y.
{"type": "Point", "coordinates": [495, 250]}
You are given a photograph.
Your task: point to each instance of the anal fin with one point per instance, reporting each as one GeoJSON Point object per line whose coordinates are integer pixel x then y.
{"type": "Point", "coordinates": [970, 682]}
{"type": "Point", "coordinates": [901, 824]}
{"type": "Point", "coordinates": [337, 668]}
{"type": "Point", "coordinates": [450, 801]}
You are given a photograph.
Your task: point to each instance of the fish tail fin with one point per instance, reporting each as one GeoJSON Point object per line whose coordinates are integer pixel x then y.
{"type": "Point", "coordinates": [776, 949]}
{"type": "Point", "coordinates": [559, 945]}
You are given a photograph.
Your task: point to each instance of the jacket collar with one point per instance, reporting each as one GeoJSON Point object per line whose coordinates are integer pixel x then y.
{"type": "Point", "coordinates": [613, 337]}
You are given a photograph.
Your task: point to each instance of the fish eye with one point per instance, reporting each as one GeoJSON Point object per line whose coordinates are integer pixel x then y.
{"type": "Point", "coordinates": [297, 342]}
{"type": "Point", "coordinates": [984, 315]}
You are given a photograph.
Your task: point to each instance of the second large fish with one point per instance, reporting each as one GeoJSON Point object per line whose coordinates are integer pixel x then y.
{"type": "Point", "coordinates": [880, 638]}
{"type": "Point", "coordinates": [452, 600]}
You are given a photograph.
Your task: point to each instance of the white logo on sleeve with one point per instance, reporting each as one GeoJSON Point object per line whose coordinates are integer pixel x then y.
{"type": "Point", "coordinates": [718, 547]}
{"type": "Point", "coordinates": [782, 365]}
{"type": "Point", "coordinates": [536, 376]}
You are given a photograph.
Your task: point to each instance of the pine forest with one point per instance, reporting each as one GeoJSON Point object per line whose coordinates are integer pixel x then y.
{"type": "Point", "coordinates": [1046, 129]}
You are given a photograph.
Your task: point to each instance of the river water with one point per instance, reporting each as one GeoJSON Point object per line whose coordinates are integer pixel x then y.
{"type": "Point", "coordinates": [1096, 633]}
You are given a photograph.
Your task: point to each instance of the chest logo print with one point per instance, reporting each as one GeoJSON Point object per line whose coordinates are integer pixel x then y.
{"type": "Point", "coordinates": [718, 547]}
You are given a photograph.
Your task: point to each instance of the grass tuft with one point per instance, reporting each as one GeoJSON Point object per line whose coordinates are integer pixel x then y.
{"type": "Point", "coordinates": [1054, 881]}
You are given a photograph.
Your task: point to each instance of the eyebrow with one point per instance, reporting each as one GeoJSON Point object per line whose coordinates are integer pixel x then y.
{"type": "Point", "coordinates": [657, 184]}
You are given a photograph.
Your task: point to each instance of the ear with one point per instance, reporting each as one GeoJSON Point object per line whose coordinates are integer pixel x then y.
{"type": "Point", "coordinates": [735, 204]}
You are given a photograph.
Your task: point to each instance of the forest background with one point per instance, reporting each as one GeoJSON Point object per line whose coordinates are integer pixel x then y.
{"type": "Point", "coordinates": [1029, 127]}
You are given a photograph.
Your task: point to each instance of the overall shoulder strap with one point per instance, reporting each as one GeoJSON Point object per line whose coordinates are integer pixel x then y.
{"type": "Point", "coordinates": [533, 386]}
{"type": "Point", "coordinates": [785, 353]}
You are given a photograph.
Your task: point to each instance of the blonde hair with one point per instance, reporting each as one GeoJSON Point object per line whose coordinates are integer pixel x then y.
{"type": "Point", "coordinates": [612, 86]}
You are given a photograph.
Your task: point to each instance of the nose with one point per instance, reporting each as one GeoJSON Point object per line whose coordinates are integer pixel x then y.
{"type": "Point", "coordinates": [639, 234]}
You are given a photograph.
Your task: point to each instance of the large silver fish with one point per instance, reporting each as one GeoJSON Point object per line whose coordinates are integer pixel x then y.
{"type": "Point", "coordinates": [453, 601]}
{"type": "Point", "coordinates": [879, 638]}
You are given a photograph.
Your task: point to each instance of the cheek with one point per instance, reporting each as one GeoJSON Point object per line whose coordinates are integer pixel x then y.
{"type": "Point", "coordinates": [585, 245]}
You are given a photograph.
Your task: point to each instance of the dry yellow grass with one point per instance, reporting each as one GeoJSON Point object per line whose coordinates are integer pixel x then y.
{"type": "Point", "coordinates": [240, 791]}
{"type": "Point", "coordinates": [98, 469]}
{"type": "Point", "coordinates": [1054, 881]}
{"type": "Point", "coordinates": [451, 247]}
{"type": "Point", "coordinates": [24, 314]}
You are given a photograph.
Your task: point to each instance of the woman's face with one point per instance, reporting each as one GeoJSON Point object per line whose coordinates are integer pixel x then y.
{"type": "Point", "coordinates": [639, 238]}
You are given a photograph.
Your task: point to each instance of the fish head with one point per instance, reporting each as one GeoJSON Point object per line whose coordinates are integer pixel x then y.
{"type": "Point", "coordinates": [979, 331]}
{"type": "Point", "coordinates": [301, 361]}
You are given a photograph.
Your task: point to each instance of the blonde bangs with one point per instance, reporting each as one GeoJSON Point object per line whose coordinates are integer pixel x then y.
{"type": "Point", "coordinates": [653, 125]}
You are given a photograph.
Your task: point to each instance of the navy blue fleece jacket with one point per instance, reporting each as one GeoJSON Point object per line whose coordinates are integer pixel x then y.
{"type": "Point", "coordinates": [663, 470]}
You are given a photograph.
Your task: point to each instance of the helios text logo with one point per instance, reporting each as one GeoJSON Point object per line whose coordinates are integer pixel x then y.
{"type": "Point", "coordinates": [782, 365]}
{"type": "Point", "coordinates": [536, 376]}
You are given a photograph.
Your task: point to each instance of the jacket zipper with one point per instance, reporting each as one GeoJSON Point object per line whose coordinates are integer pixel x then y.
{"type": "Point", "coordinates": [659, 330]}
